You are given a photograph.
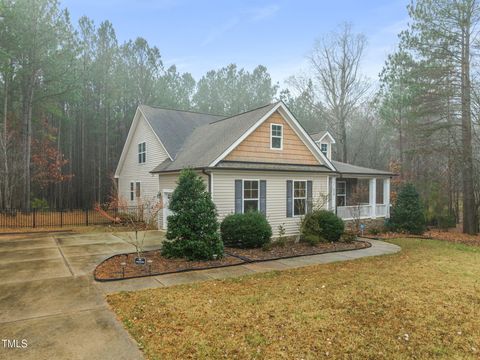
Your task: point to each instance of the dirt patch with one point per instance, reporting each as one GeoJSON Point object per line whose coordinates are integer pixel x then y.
{"type": "Point", "coordinates": [123, 266]}
{"type": "Point", "coordinates": [293, 250]}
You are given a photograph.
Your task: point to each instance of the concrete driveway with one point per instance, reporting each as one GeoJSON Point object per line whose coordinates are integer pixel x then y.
{"type": "Point", "coordinates": [48, 297]}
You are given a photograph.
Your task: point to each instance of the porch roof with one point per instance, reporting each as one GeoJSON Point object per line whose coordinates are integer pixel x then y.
{"type": "Point", "coordinates": [346, 169]}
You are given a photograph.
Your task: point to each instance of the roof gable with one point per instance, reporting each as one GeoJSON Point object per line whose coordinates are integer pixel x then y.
{"type": "Point", "coordinates": [211, 143]}
{"type": "Point", "coordinates": [137, 118]}
{"type": "Point", "coordinates": [257, 148]}
{"type": "Point", "coordinates": [318, 137]}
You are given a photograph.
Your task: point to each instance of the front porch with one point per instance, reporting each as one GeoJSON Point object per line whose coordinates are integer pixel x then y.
{"type": "Point", "coordinates": [355, 198]}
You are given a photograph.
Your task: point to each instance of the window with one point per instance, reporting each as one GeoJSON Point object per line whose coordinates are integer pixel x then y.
{"type": "Point", "coordinates": [137, 189]}
{"type": "Point", "coordinates": [132, 191]}
{"type": "Point", "coordinates": [299, 198]}
{"type": "Point", "coordinates": [250, 195]}
{"type": "Point", "coordinates": [276, 138]}
{"type": "Point", "coordinates": [142, 153]}
{"type": "Point", "coordinates": [324, 149]}
{"type": "Point", "coordinates": [341, 193]}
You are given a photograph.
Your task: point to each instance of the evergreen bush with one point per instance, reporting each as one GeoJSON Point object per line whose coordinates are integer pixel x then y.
{"type": "Point", "coordinates": [321, 226]}
{"type": "Point", "coordinates": [249, 230]}
{"type": "Point", "coordinates": [192, 230]}
{"type": "Point", "coordinates": [407, 213]}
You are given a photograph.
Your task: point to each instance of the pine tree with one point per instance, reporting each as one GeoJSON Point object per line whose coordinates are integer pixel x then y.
{"type": "Point", "coordinates": [407, 213]}
{"type": "Point", "coordinates": [192, 228]}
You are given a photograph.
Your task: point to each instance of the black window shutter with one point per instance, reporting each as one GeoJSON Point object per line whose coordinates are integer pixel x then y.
{"type": "Point", "coordinates": [309, 196]}
{"type": "Point", "coordinates": [289, 199]}
{"type": "Point", "coordinates": [238, 196]}
{"type": "Point", "coordinates": [263, 197]}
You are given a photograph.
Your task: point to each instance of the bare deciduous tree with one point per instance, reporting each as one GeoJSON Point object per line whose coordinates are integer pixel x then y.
{"type": "Point", "coordinates": [335, 61]}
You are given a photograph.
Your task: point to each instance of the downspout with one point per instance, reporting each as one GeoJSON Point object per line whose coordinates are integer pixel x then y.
{"type": "Point", "coordinates": [210, 185]}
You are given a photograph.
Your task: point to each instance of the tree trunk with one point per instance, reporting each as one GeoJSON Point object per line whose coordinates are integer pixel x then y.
{"type": "Point", "coordinates": [469, 223]}
{"type": "Point", "coordinates": [6, 186]}
{"type": "Point", "coordinates": [343, 134]}
{"type": "Point", "coordinates": [27, 128]}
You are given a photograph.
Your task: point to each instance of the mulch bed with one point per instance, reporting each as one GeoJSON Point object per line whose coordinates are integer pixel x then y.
{"type": "Point", "coordinates": [112, 268]}
{"type": "Point", "coordinates": [294, 250]}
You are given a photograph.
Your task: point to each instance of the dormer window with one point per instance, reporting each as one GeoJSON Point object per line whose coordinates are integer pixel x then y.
{"type": "Point", "coordinates": [142, 153]}
{"type": "Point", "coordinates": [324, 149]}
{"type": "Point", "coordinates": [276, 136]}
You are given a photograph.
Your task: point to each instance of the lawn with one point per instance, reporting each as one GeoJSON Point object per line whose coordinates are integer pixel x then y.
{"type": "Point", "coordinates": [423, 303]}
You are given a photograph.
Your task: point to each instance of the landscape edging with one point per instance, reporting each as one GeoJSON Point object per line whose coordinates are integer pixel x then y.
{"type": "Point", "coordinates": [244, 261]}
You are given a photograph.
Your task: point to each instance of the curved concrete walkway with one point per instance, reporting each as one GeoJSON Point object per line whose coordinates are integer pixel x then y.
{"type": "Point", "coordinates": [378, 248]}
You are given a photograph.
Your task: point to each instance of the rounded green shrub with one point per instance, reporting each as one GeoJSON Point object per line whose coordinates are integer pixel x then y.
{"type": "Point", "coordinates": [249, 230]}
{"type": "Point", "coordinates": [321, 225]}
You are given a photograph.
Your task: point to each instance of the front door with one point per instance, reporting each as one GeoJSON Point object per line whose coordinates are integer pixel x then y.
{"type": "Point", "coordinates": [167, 196]}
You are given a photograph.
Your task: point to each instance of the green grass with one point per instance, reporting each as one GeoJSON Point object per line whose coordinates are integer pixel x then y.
{"type": "Point", "coordinates": [423, 303]}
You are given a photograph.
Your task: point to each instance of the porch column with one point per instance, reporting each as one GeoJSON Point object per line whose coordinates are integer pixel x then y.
{"type": "Point", "coordinates": [333, 194]}
{"type": "Point", "coordinates": [386, 196]}
{"type": "Point", "coordinates": [372, 193]}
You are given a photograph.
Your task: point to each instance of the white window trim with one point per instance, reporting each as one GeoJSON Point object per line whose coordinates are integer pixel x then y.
{"type": "Point", "coordinates": [142, 152]}
{"type": "Point", "coordinates": [344, 194]}
{"type": "Point", "coordinates": [299, 198]}
{"type": "Point", "coordinates": [243, 194]}
{"type": "Point", "coordinates": [138, 182]}
{"type": "Point", "coordinates": [132, 192]}
{"type": "Point", "coordinates": [276, 136]}
{"type": "Point", "coordinates": [326, 151]}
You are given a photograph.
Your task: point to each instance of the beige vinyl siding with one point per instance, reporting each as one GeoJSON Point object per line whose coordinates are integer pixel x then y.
{"type": "Point", "coordinates": [133, 171]}
{"type": "Point", "coordinates": [224, 194]}
{"type": "Point", "coordinates": [169, 182]}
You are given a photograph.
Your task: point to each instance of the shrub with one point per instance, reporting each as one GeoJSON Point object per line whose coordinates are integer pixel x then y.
{"type": "Point", "coordinates": [407, 213]}
{"type": "Point", "coordinates": [282, 239]}
{"type": "Point", "coordinates": [39, 204]}
{"type": "Point", "coordinates": [249, 230]}
{"type": "Point", "coordinates": [348, 237]}
{"type": "Point", "coordinates": [192, 228]}
{"type": "Point", "coordinates": [446, 221]}
{"type": "Point", "coordinates": [321, 225]}
{"type": "Point", "coordinates": [312, 239]}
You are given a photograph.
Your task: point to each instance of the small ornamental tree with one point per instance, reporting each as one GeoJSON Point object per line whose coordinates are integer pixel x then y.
{"type": "Point", "coordinates": [407, 213]}
{"type": "Point", "coordinates": [192, 228]}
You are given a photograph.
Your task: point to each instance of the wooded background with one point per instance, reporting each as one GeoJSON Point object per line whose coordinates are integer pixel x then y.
{"type": "Point", "coordinates": [68, 93]}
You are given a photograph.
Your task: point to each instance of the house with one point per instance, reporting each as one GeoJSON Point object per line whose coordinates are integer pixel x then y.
{"type": "Point", "coordinates": [261, 160]}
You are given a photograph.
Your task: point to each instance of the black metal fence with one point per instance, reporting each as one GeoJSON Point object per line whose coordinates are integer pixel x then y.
{"type": "Point", "coordinates": [36, 218]}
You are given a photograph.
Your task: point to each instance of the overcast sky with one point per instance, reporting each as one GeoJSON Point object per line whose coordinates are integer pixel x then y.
{"type": "Point", "coordinates": [198, 36]}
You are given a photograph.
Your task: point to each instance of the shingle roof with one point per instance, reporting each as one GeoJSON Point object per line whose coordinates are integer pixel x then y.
{"type": "Point", "coordinates": [195, 140]}
{"type": "Point", "coordinates": [319, 135]}
{"type": "Point", "coordinates": [174, 126]}
{"type": "Point", "coordinates": [346, 169]}
{"type": "Point", "coordinates": [209, 141]}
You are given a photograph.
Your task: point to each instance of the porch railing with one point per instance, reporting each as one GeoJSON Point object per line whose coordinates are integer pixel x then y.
{"type": "Point", "coordinates": [381, 210]}
{"type": "Point", "coordinates": [361, 211]}
{"type": "Point", "coordinates": [354, 212]}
